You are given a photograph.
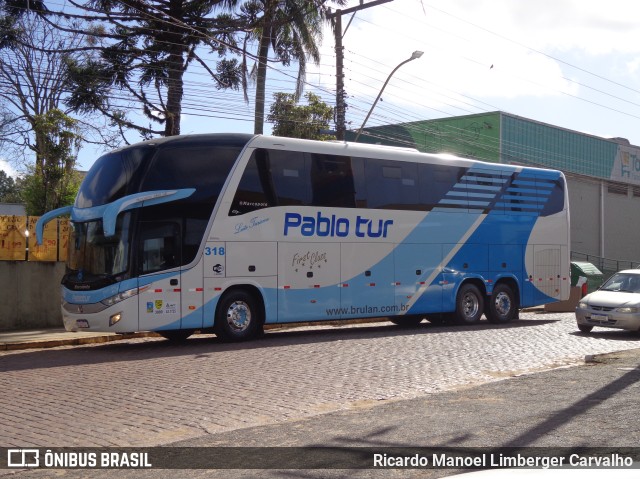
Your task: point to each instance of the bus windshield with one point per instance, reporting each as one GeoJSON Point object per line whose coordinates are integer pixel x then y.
{"type": "Point", "coordinates": [93, 255]}
{"type": "Point", "coordinates": [114, 175]}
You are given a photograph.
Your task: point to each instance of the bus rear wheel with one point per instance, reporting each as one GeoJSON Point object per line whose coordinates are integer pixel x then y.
{"type": "Point", "coordinates": [502, 305]}
{"type": "Point", "coordinates": [237, 316]}
{"type": "Point", "coordinates": [469, 304]}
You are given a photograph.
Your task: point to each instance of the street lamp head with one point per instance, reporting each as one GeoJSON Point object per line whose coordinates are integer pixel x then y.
{"type": "Point", "coordinates": [415, 55]}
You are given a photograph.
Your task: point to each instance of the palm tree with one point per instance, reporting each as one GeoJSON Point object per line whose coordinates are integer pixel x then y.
{"type": "Point", "coordinates": [292, 29]}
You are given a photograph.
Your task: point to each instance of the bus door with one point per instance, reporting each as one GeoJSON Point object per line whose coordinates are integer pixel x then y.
{"type": "Point", "coordinates": [367, 281]}
{"type": "Point", "coordinates": [159, 251]}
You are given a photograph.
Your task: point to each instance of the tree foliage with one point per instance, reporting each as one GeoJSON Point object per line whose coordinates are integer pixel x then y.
{"type": "Point", "coordinates": [139, 52]}
{"type": "Point", "coordinates": [292, 29]}
{"type": "Point", "coordinates": [136, 53]}
{"type": "Point", "coordinates": [35, 127]}
{"type": "Point", "coordinates": [54, 182]}
{"type": "Point", "coordinates": [309, 121]}
{"type": "Point", "coordinates": [8, 189]}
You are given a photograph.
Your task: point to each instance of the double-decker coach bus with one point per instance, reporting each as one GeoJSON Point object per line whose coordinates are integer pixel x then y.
{"type": "Point", "coordinates": [229, 232]}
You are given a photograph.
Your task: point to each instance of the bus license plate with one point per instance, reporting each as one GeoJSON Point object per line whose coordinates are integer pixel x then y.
{"type": "Point", "coordinates": [82, 323]}
{"type": "Point", "coordinates": [599, 317]}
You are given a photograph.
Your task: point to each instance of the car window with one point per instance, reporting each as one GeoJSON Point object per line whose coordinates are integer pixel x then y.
{"type": "Point", "coordinates": [628, 283]}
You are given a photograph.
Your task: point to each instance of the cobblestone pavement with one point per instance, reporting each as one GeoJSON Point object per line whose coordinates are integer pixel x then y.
{"type": "Point", "coordinates": [146, 392]}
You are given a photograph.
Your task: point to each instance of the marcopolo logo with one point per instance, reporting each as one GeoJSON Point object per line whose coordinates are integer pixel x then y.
{"type": "Point", "coordinates": [335, 226]}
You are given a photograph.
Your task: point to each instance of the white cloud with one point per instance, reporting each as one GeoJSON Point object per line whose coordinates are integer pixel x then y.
{"type": "Point", "coordinates": [457, 56]}
{"type": "Point", "coordinates": [588, 25]}
{"type": "Point", "coordinates": [554, 56]}
{"type": "Point", "coordinates": [633, 65]}
{"type": "Point", "coordinates": [7, 168]}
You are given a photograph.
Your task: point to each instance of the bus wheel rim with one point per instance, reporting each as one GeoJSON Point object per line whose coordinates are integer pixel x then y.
{"type": "Point", "coordinates": [471, 305]}
{"type": "Point", "coordinates": [239, 316]}
{"type": "Point", "coordinates": [503, 304]}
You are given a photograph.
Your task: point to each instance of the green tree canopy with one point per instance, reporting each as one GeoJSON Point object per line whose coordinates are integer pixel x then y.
{"type": "Point", "coordinates": [7, 188]}
{"type": "Point", "coordinates": [310, 121]}
{"type": "Point", "coordinates": [138, 54]}
{"type": "Point", "coordinates": [54, 183]}
{"type": "Point", "coordinates": [292, 29]}
{"type": "Point", "coordinates": [35, 126]}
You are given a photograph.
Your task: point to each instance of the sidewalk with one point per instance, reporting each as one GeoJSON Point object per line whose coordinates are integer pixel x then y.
{"type": "Point", "coordinates": [51, 338]}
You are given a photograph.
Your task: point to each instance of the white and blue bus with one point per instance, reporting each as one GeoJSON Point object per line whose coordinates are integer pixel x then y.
{"type": "Point", "coordinates": [229, 232]}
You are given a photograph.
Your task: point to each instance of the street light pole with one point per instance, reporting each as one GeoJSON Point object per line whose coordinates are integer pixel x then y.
{"type": "Point", "coordinates": [414, 55]}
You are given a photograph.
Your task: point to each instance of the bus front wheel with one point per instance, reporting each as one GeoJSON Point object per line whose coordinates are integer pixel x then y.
{"type": "Point", "coordinates": [502, 305]}
{"type": "Point", "coordinates": [237, 316]}
{"type": "Point", "coordinates": [469, 304]}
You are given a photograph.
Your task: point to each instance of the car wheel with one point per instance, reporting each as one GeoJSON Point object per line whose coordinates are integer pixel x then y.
{"type": "Point", "coordinates": [585, 328]}
{"type": "Point", "coordinates": [238, 317]}
{"type": "Point", "coordinates": [502, 305]}
{"type": "Point", "coordinates": [469, 304]}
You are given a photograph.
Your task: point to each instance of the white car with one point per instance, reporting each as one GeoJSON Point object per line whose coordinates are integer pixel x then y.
{"type": "Point", "coordinates": [616, 304]}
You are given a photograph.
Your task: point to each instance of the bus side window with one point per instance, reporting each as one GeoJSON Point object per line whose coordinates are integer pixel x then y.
{"type": "Point", "coordinates": [159, 246]}
{"type": "Point", "coordinates": [435, 182]}
{"type": "Point", "coordinates": [332, 181]}
{"type": "Point", "coordinates": [555, 202]}
{"type": "Point", "coordinates": [255, 190]}
{"type": "Point", "coordinates": [392, 184]}
{"type": "Point", "coordinates": [291, 177]}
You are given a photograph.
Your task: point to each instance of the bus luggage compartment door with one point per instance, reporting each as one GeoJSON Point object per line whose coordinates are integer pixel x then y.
{"type": "Point", "coordinates": [367, 280]}
{"type": "Point", "coordinates": [308, 279]}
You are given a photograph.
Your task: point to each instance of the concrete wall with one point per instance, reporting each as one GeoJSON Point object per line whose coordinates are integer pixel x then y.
{"type": "Point", "coordinates": [30, 294]}
{"type": "Point", "coordinates": [603, 206]}
{"type": "Point", "coordinates": [584, 201]}
{"type": "Point", "coordinates": [622, 225]}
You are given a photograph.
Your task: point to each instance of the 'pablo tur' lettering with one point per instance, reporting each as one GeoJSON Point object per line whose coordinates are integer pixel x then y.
{"type": "Point", "coordinates": [335, 226]}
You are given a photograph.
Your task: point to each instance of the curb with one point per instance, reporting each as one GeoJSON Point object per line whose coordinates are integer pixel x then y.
{"type": "Point", "coordinates": [53, 343]}
{"type": "Point", "coordinates": [109, 337]}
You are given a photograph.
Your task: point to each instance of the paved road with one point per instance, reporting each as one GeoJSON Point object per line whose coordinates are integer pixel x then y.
{"type": "Point", "coordinates": [146, 392]}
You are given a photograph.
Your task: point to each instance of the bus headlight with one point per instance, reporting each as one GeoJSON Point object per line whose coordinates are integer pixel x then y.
{"type": "Point", "coordinates": [115, 318]}
{"type": "Point", "coordinates": [119, 297]}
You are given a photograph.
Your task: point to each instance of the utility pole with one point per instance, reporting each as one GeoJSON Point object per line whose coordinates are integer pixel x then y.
{"type": "Point", "coordinates": [341, 106]}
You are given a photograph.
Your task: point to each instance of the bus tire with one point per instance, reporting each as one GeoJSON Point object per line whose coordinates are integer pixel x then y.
{"type": "Point", "coordinates": [176, 335]}
{"type": "Point", "coordinates": [237, 316]}
{"type": "Point", "coordinates": [469, 304]}
{"type": "Point", "coordinates": [408, 321]}
{"type": "Point", "coordinates": [503, 305]}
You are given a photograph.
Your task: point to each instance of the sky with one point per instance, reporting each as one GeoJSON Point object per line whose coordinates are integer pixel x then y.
{"type": "Point", "coordinates": [570, 63]}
